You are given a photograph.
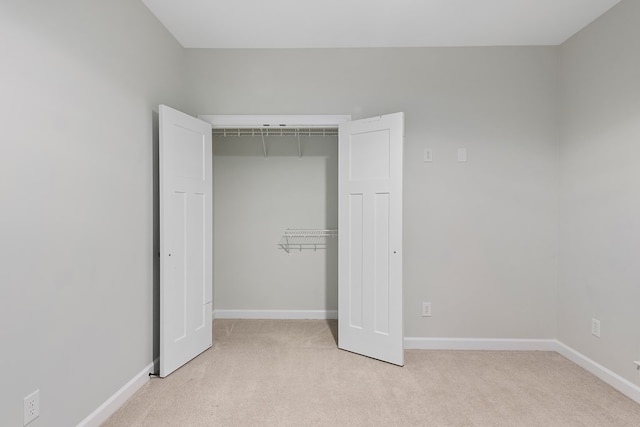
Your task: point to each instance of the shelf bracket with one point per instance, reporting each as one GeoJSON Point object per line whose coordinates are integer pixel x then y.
{"type": "Point", "coordinates": [264, 144]}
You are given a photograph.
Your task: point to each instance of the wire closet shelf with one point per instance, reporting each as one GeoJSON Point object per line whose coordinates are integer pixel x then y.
{"type": "Point", "coordinates": [274, 131]}
{"type": "Point", "coordinates": [305, 239]}
{"type": "Point", "coordinates": [267, 131]}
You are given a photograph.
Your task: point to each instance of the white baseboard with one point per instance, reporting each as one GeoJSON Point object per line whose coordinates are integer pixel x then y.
{"type": "Point", "coordinates": [614, 380]}
{"type": "Point", "coordinates": [275, 314]}
{"type": "Point", "coordinates": [418, 343]}
{"type": "Point", "coordinates": [112, 404]}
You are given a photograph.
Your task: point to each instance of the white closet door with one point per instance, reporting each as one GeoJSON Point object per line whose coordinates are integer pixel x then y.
{"type": "Point", "coordinates": [370, 318]}
{"type": "Point", "coordinates": [186, 238]}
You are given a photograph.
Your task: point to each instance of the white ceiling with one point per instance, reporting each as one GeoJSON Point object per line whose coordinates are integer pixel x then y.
{"type": "Point", "coordinates": [374, 23]}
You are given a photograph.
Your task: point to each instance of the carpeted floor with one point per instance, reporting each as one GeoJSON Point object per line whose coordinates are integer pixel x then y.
{"type": "Point", "coordinates": [290, 373]}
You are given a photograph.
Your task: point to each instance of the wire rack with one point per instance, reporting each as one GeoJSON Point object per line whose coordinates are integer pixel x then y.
{"type": "Point", "coordinates": [275, 131]}
{"type": "Point", "coordinates": [305, 239]}
{"type": "Point", "coordinates": [267, 131]}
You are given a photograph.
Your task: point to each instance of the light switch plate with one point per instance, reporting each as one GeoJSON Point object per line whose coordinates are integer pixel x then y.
{"type": "Point", "coordinates": [426, 309]}
{"type": "Point", "coordinates": [462, 154]}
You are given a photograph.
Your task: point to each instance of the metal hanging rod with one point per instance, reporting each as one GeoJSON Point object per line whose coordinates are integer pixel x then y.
{"type": "Point", "coordinates": [273, 131]}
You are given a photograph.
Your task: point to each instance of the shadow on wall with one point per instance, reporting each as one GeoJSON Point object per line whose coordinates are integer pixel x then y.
{"type": "Point", "coordinates": [156, 239]}
{"type": "Point", "coordinates": [331, 215]}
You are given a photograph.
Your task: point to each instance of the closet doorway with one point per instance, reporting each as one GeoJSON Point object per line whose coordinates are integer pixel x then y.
{"type": "Point", "coordinates": [275, 216]}
{"type": "Point", "coordinates": [275, 224]}
{"type": "Point", "coordinates": [368, 213]}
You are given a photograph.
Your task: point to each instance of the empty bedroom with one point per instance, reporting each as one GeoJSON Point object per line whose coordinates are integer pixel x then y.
{"type": "Point", "coordinates": [320, 213]}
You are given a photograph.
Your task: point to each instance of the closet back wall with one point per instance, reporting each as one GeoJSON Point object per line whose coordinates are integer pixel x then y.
{"type": "Point", "coordinates": [255, 200]}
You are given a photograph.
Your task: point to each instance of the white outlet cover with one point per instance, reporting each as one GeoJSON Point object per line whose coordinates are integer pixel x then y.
{"type": "Point", "coordinates": [595, 327]}
{"type": "Point", "coordinates": [31, 407]}
{"type": "Point", "coordinates": [428, 155]}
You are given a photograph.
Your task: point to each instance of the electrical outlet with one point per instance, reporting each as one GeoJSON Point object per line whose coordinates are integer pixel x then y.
{"type": "Point", "coordinates": [31, 407]}
{"type": "Point", "coordinates": [595, 327]}
{"type": "Point", "coordinates": [426, 309]}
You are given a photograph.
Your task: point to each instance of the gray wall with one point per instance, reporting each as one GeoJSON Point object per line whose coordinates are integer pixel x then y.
{"type": "Point", "coordinates": [79, 82]}
{"type": "Point", "coordinates": [255, 200]}
{"type": "Point", "coordinates": [480, 237]}
{"type": "Point", "coordinates": [600, 190]}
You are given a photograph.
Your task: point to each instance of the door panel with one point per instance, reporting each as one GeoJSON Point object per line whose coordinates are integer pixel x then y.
{"type": "Point", "coordinates": [369, 154]}
{"type": "Point", "coordinates": [381, 264]}
{"type": "Point", "coordinates": [186, 238]}
{"type": "Point", "coordinates": [355, 280]}
{"type": "Point", "coordinates": [370, 241]}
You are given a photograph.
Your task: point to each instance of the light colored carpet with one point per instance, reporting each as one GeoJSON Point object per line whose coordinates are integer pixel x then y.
{"type": "Point", "coordinates": [290, 373]}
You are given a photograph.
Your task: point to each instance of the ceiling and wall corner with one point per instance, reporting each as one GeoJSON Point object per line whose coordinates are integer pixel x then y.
{"type": "Point", "coordinates": [378, 23]}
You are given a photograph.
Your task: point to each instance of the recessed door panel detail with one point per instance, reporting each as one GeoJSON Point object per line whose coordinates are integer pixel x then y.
{"type": "Point", "coordinates": [356, 258]}
{"type": "Point", "coordinates": [188, 157]}
{"type": "Point", "coordinates": [196, 268]}
{"type": "Point", "coordinates": [381, 263]}
{"type": "Point", "coordinates": [369, 155]}
{"type": "Point", "coordinates": [177, 263]}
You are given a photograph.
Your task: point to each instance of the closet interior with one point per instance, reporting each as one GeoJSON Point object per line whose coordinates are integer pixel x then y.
{"type": "Point", "coordinates": [275, 210]}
